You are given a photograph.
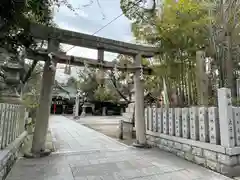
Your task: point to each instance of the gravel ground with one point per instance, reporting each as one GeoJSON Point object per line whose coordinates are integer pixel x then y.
{"type": "Point", "coordinates": [107, 125]}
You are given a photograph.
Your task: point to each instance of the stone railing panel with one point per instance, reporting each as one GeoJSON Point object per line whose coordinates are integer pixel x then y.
{"type": "Point", "coordinates": [209, 136]}
{"type": "Point", "coordinates": [146, 118]}
{"type": "Point", "coordinates": [150, 118]}
{"type": "Point", "coordinates": [154, 119]}
{"type": "Point", "coordinates": [214, 129]}
{"type": "Point", "coordinates": [165, 121]}
{"type": "Point", "coordinates": [11, 123]}
{"type": "Point", "coordinates": [178, 122]}
{"type": "Point", "coordinates": [236, 119]}
{"type": "Point", "coordinates": [171, 117]}
{"type": "Point", "coordinates": [159, 120]}
{"type": "Point", "coordinates": [194, 123]}
{"type": "Point", "coordinates": [185, 123]}
{"type": "Point", "coordinates": [203, 124]}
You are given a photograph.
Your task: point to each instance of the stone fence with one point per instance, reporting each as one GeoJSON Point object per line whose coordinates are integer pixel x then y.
{"type": "Point", "coordinates": [12, 135]}
{"type": "Point", "coordinates": [208, 136]}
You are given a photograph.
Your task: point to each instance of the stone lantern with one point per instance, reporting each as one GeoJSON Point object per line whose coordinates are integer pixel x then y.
{"type": "Point", "coordinates": [11, 67]}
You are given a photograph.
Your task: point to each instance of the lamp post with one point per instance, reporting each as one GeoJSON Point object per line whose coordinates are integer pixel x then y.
{"type": "Point", "coordinates": [77, 105]}
{"type": "Point", "coordinates": [83, 114]}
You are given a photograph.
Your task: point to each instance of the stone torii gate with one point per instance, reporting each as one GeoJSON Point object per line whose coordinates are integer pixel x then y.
{"type": "Point", "coordinates": [55, 36]}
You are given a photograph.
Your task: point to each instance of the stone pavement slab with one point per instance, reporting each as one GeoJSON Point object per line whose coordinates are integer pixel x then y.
{"type": "Point", "coordinates": [84, 154]}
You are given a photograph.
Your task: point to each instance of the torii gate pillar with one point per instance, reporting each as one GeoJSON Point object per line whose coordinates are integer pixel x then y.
{"type": "Point", "coordinates": [139, 104]}
{"type": "Point", "coordinates": [41, 127]}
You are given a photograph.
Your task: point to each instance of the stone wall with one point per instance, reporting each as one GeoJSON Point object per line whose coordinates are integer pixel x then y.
{"type": "Point", "coordinates": [10, 154]}
{"type": "Point", "coordinates": [208, 136]}
{"type": "Point", "coordinates": [215, 157]}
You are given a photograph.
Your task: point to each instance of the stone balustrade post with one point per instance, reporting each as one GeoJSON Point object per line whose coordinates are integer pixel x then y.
{"type": "Point", "coordinates": [226, 118]}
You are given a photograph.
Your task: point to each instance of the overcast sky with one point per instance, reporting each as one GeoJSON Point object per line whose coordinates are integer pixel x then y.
{"type": "Point", "coordinates": [89, 20]}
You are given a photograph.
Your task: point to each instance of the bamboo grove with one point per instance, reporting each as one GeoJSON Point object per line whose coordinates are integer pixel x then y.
{"type": "Point", "coordinates": [180, 28]}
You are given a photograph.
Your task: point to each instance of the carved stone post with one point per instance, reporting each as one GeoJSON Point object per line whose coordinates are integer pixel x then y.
{"type": "Point", "coordinates": [201, 78]}
{"type": "Point", "coordinates": [41, 126]}
{"type": "Point", "coordinates": [139, 104]}
{"type": "Point", "coordinates": [226, 117]}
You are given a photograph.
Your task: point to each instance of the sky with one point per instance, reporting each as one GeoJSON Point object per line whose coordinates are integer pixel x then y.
{"type": "Point", "coordinates": [88, 20]}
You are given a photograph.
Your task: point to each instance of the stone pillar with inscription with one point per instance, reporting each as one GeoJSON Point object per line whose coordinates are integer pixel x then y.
{"type": "Point", "coordinates": [201, 78]}
{"type": "Point", "coordinates": [226, 117]}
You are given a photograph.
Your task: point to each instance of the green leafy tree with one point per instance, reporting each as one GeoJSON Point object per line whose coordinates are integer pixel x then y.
{"type": "Point", "coordinates": [179, 30]}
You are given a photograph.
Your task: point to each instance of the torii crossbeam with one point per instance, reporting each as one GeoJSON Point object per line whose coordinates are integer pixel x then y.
{"type": "Point", "coordinates": [81, 61]}
{"type": "Point", "coordinates": [89, 41]}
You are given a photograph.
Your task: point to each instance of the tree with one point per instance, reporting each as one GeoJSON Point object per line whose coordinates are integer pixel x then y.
{"type": "Point", "coordinates": [16, 16]}
{"type": "Point", "coordinates": [31, 91]}
{"type": "Point", "coordinates": [179, 32]}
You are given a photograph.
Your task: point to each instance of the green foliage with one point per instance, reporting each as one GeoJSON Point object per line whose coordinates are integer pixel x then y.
{"type": "Point", "coordinates": [103, 93]}
{"type": "Point", "coordinates": [179, 30]}
{"type": "Point", "coordinates": [31, 90]}
{"type": "Point", "coordinates": [16, 16]}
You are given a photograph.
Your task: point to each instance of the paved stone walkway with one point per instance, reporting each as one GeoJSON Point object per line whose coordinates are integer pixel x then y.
{"type": "Point", "coordinates": [84, 154]}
